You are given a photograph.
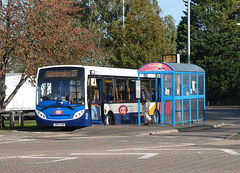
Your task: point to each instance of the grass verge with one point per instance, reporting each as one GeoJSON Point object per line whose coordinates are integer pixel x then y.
{"type": "Point", "coordinates": [27, 124]}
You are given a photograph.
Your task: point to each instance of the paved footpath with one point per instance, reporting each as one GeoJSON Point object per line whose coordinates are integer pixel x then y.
{"type": "Point", "coordinates": [216, 117]}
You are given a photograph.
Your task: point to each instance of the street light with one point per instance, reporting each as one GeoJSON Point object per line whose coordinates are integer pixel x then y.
{"type": "Point", "coordinates": [188, 31]}
{"type": "Point", "coordinates": [123, 13]}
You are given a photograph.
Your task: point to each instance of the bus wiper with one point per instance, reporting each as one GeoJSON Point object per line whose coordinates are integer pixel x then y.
{"type": "Point", "coordinates": [65, 104]}
{"type": "Point", "coordinates": [70, 107]}
{"type": "Point", "coordinates": [46, 107]}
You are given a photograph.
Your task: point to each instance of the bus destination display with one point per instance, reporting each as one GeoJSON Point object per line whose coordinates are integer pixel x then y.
{"type": "Point", "coordinates": [61, 73]}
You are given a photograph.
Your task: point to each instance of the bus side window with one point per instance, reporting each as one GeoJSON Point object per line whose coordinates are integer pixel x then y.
{"type": "Point", "coordinates": [132, 92]}
{"type": "Point", "coordinates": [121, 90]}
{"type": "Point", "coordinates": [108, 93]}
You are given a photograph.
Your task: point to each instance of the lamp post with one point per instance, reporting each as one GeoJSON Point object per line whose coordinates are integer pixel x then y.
{"type": "Point", "coordinates": [123, 13]}
{"type": "Point", "coordinates": [188, 31]}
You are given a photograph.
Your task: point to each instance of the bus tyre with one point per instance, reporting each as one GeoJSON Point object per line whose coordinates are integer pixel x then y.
{"type": "Point", "coordinates": [110, 119]}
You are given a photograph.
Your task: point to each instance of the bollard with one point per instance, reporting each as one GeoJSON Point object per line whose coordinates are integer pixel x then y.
{"type": "Point", "coordinates": [20, 118]}
{"type": "Point", "coordinates": [11, 120]}
{"type": "Point", "coordinates": [2, 121]}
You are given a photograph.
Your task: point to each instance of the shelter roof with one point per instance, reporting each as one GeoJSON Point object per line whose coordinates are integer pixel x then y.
{"type": "Point", "coordinates": [176, 67]}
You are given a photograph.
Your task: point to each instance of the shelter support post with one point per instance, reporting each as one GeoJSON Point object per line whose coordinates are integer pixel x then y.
{"type": "Point", "coordinates": [156, 98]}
{"type": "Point", "coordinates": [139, 117]}
{"type": "Point", "coordinates": [182, 113]}
{"type": "Point", "coordinates": [189, 100]}
{"type": "Point", "coordinates": [204, 103]}
{"type": "Point", "coordinates": [197, 101]}
{"type": "Point", "coordinates": [162, 104]}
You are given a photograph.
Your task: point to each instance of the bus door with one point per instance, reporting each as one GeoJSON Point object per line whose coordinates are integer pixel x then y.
{"type": "Point", "coordinates": [94, 98]}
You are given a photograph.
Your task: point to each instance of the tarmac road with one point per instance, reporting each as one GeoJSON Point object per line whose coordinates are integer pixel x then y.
{"type": "Point", "coordinates": [127, 148]}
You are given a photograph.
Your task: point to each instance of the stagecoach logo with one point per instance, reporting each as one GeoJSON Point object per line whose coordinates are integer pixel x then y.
{"type": "Point", "coordinates": [123, 110]}
{"type": "Point", "coordinates": [58, 112]}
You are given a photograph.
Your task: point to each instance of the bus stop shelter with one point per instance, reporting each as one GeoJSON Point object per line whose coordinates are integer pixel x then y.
{"type": "Point", "coordinates": [182, 92]}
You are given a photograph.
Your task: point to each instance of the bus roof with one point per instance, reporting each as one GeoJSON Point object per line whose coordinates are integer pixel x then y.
{"type": "Point", "coordinates": [104, 71]}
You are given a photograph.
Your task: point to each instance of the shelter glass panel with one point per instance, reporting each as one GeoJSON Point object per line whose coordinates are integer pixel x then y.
{"type": "Point", "coordinates": [153, 89]}
{"type": "Point", "coordinates": [178, 85]}
{"type": "Point", "coordinates": [194, 109]}
{"type": "Point", "coordinates": [201, 108]}
{"type": "Point", "coordinates": [186, 109]}
{"type": "Point", "coordinates": [146, 84]}
{"type": "Point", "coordinates": [200, 84]}
{"type": "Point", "coordinates": [168, 111]}
{"type": "Point", "coordinates": [193, 84]}
{"type": "Point", "coordinates": [167, 78]}
{"type": "Point", "coordinates": [178, 110]}
{"type": "Point", "coordinates": [185, 84]}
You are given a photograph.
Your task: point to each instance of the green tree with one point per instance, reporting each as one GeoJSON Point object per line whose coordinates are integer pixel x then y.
{"type": "Point", "coordinates": [100, 16]}
{"type": "Point", "coordinates": [170, 33]}
{"type": "Point", "coordinates": [222, 80]}
{"type": "Point", "coordinates": [39, 33]}
{"type": "Point", "coordinates": [105, 16]}
{"type": "Point", "coordinates": [142, 40]}
{"type": "Point", "coordinates": [215, 39]}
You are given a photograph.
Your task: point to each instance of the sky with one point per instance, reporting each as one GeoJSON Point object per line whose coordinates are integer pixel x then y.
{"type": "Point", "coordinates": [174, 8]}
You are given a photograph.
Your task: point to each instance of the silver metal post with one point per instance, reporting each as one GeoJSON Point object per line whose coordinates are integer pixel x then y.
{"type": "Point", "coordinates": [188, 31]}
{"type": "Point", "coordinates": [123, 13]}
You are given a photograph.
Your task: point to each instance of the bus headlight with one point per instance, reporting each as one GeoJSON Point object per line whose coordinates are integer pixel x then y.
{"type": "Point", "coordinates": [41, 115]}
{"type": "Point", "coordinates": [78, 114]}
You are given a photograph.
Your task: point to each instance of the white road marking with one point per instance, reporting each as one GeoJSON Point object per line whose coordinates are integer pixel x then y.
{"type": "Point", "coordinates": [154, 147]}
{"type": "Point", "coordinates": [193, 138]}
{"type": "Point", "coordinates": [145, 155]}
{"type": "Point", "coordinates": [228, 151]}
{"type": "Point", "coordinates": [167, 148]}
{"type": "Point", "coordinates": [170, 137]}
{"type": "Point", "coordinates": [232, 152]}
{"type": "Point", "coordinates": [216, 139]}
{"type": "Point", "coordinates": [9, 141]}
{"type": "Point", "coordinates": [53, 159]}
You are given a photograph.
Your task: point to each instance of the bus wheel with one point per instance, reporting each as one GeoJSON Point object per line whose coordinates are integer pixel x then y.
{"type": "Point", "coordinates": [110, 119]}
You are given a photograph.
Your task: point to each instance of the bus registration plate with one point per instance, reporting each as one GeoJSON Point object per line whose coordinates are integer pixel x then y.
{"type": "Point", "coordinates": [59, 124]}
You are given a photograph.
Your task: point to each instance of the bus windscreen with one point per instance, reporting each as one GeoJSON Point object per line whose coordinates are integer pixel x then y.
{"type": "Point", "coordinates": [61, 84]}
